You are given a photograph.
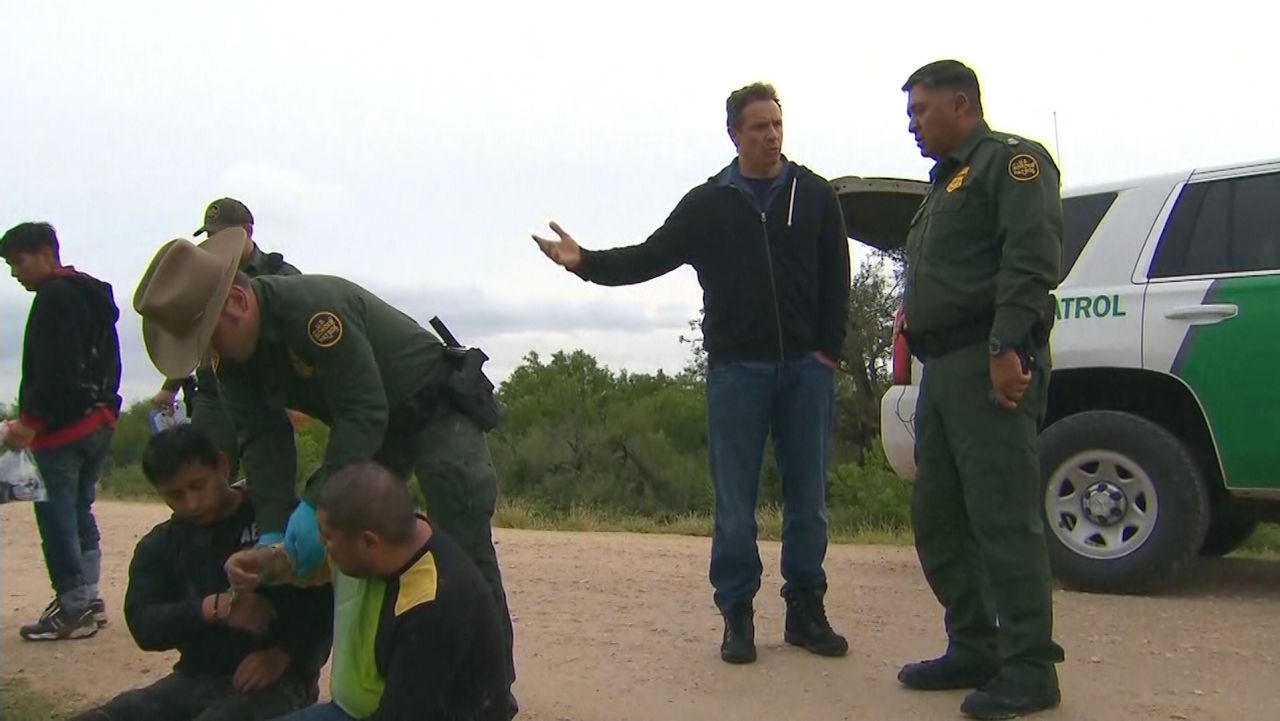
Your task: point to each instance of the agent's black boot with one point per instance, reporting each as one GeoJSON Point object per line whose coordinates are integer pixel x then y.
{"type": "Point", "coordinates": [946, 673]}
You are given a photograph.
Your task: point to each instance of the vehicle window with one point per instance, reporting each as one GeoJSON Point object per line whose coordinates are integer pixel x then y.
{"type": "Point", "coordinates": [1081, 215]}
{"type": "Point", "coordinates": [1222, 226]}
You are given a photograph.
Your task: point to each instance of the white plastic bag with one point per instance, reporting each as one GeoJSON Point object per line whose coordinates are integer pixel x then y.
{"type": "Point", "coordinates": [20, 478]}
{"type": "Point", "coordinates": [167, 418]}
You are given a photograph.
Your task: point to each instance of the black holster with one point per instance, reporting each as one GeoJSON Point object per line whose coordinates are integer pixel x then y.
{"type": "Point", "coordinates": [469, 389]}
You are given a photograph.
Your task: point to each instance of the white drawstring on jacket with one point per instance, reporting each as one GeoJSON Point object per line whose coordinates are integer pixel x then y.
{"type": "Point", "coordinates": [791, 208]}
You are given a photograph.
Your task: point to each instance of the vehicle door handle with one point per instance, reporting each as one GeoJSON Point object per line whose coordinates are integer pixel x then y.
{"type": "Point", "coordinates": [1209, 313]}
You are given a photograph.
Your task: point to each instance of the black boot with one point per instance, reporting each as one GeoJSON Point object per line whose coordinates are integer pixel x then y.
{"type": "Point", "coordinates": [1005, 698]}
{"type": "Point", "coordinates": [739, 644]}
{"type": "Point", "coordinates": [807, 625]}
{"type": "Point", "coordinates": [945, 673]}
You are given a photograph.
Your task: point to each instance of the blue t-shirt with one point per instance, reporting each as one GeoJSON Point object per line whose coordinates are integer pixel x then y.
{"type": "Point", "coordinates": [760, 188]}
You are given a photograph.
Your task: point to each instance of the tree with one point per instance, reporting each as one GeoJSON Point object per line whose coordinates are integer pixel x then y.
{"type": "Point", "coordinates": [574, 432]}
{"type": "Point", "coordinates": [873, 301]}
{"type": "Point", "coordinates": [696, 369]}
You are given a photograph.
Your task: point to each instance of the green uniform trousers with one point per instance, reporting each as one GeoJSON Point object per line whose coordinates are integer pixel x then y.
{"type": "Point", "coordinates": [450, 457]}
{"type": "Point", "coordinates": [975, 514]}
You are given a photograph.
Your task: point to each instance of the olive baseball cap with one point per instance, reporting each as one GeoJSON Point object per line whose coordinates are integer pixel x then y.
{"type": "Point", "coordinates": [224, 213]}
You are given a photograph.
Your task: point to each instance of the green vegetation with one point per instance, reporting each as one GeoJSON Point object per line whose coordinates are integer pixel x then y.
{"type": "Point", "coordinates": [1264, 543]}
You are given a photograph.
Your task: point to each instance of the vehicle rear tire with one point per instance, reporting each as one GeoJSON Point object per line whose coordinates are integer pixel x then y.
{"type": "Point", "coordinates": [1124, 503]}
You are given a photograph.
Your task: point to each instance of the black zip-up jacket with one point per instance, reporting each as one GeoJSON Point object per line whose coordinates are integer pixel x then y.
{"type": "Point", "coordinates": [177, 564]}
{"type": "Point", "coordinates": [775, 284]}
{"type": "Point", "coordinates": [70, 356]}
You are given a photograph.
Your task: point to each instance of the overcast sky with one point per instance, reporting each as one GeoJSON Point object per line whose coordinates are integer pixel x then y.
{"type": "Point", "coordinates": [413, 147]}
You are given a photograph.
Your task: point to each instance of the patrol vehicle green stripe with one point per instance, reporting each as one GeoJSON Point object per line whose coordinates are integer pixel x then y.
{"type": "Point", "coordinates": [1227, 364]}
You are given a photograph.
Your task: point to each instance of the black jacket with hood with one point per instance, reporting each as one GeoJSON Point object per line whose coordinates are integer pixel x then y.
{"type": "Point", "coordinates": [775, 282]}
{"type": "Point", "coordinates": [70, 360]}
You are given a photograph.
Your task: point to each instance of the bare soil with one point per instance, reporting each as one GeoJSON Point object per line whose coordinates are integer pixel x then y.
{"type": "Point", "coordinates": [621, 626]}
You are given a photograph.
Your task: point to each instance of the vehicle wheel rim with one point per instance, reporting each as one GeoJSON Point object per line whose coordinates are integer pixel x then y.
{"type": "Point", "coordinates": [1101, 504]}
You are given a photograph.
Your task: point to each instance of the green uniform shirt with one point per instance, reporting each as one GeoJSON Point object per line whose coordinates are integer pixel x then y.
{"type": "Point", "coordinates": [336, 352]}
{"type": "Point", "coordinates": [985, 246]}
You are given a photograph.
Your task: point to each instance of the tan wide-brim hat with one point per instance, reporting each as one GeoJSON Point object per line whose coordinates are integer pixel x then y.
{"type": "Point", "coordinates": [181, 296]}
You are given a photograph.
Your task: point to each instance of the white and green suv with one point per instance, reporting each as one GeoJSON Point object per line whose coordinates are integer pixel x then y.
{"type": "Point", "coordinates": [1162, 438]}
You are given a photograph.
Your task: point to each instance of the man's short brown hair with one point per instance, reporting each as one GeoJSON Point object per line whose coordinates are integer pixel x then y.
{"type": "Point", "coordinates": [742, 97]}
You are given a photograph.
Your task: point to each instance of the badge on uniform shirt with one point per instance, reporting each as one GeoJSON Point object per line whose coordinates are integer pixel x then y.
{"type": "Point", "coordinates": [1023, 167]}
{"type": "Point", "coordinates": [957, 182]}
{"type": "Point", "coordinates": [324, 329]}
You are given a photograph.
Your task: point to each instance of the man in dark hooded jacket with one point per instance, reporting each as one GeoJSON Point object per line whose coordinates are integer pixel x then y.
{"type": "Point", "coordinates": [69, 401]}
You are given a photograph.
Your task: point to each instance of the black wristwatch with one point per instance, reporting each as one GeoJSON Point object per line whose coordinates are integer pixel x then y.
{"type": "Point", "coordinates": [997, 346]}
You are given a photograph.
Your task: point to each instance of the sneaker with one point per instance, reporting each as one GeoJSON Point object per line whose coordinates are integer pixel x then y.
{"type": "Point", "coordinates": [807, 626]}
{"type": "Point", "coordinates": [56, 625]}
{"type": "Point", "coordinates": [98, 608]}
{"type": "Point", "coordinates": [1005, 698]}
{"type": "Point", "coordinates": [945, 673]}
{"type": "Point", "coordinates": [739, 644]}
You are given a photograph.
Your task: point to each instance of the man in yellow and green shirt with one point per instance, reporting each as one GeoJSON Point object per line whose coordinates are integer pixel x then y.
{"type": "Point", "coordinates": [417, 635]}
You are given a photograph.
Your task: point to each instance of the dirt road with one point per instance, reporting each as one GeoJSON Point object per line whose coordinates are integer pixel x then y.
{"type": "Point", "coordinates": [619, 626]}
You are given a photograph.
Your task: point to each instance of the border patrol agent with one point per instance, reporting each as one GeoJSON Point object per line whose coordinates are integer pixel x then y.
{"type": "Point", "coordinates": [207, 412]}
{"type": "Point", "coordinates": [332, 350]}
{"type": "Point", "coordinates": [983, 257]}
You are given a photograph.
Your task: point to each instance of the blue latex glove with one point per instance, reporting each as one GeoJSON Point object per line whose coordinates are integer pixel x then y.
{"type": "Point", "coordinates": [270, 539]}
{"type": "Point", "coordinates": [302, 539]}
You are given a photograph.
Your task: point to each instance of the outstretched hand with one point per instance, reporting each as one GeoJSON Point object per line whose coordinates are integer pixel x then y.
{"type": "Point", "coordinates": [564, 252]}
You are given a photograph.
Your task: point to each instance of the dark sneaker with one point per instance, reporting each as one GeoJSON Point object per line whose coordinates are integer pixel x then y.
{"type": "Point", "coordinates": [739, 644]}
{"type": "Point", "coordinates": [1005, 698]}
{"type": "Point", "coordinates": [98, 608]}
{"type": "Point", "coordinates": [807, 626]}
{"type": "Point", "coordinates": [944, 674]}
{"type": "Point", "coordinates": [56, 625]}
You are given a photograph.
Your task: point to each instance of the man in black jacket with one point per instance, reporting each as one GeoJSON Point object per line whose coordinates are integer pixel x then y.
{"type": "Point", "coordinates": [768, 242]}
{"type": "Point", "coordinates": [69, 400]}
{"type": "Point", "coordinates": [242, 657]}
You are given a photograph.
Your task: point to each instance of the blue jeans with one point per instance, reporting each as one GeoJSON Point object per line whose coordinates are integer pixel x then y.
{"type": "Point", "coordinates": [68, 531]}
{"type": "Point", "coordinates": [320, 712]}
{"type": "Point", "coordinates": [747, 402]}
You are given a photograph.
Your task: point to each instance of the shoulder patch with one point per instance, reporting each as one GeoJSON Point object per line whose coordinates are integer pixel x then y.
{"type": "Point", "coordinates": [1012, 141]}
{"type": "Point", "coordinates": [1023, 168]}
{"type": "Point", "coordinates": [325, 329]}
{"type": "Point", "coordinates": [957, 181]}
